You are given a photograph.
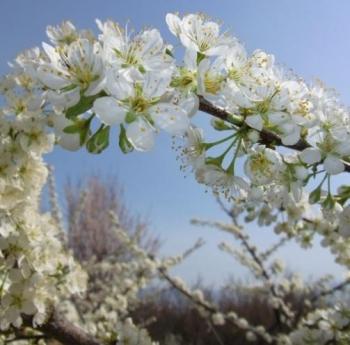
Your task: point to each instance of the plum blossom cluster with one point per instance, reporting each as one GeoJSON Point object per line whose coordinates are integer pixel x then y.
{"type": "Point", "coordinates": [113, 292]}
{"type": "Point", "coordinates": [35, 271]}
{"type": "Point", "coordinates": [290, 137]}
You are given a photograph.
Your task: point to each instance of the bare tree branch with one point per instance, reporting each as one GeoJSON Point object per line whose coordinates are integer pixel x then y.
{"type": "Point", "coordinates": [58, 328]}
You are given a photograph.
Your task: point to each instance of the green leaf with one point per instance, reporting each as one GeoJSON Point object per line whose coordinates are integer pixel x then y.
{"type": "Point", "coordinates": [85, 103]}
{"type": "Point", "coordinates": [124, 143]}
{"type": "Point", "coordinates": [315, 195]}
{"type": "Point", "coordinates": [99, 141]}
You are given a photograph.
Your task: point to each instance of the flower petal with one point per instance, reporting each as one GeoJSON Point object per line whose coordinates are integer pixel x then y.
{"type": "Point", "coordinates": [310, 155]}
{"type": "Point", "coordinates": [333, 165]}
{"type": "Point", "coordinates": [50, 78]}
{"type": "Point", "coordinates": [278, 117]}
{"type": "Point", "coordinates": [255, 121]}
{"type": "Point", "coordinates": [70, 142]}
{"type": "Point", "coordinates": [156, 83]}
{"type": "Point", "coordinates": [190, 104]}
{"type": "Point", "coordinates": [108, 111]}
{"type": "Point", "coordinates": [141, 135]}
{"type": "Point", "coordinates": [292, 138]}
{"type": "Point", "coordinates": [170, 117]}
{"type": "Point", "coordinates": [174, 23]}
{"type": "Point", "coordinates": [119, 84]}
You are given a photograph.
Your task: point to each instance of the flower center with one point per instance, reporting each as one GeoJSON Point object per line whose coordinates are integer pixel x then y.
{"type": "Point", "coordinates": [212, 83]}
{"type": "Point", "coordinates": [139, 104]}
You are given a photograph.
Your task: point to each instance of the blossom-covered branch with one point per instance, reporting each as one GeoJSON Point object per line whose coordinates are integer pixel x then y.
{"type": "Point", "coordinates": [79, 86]}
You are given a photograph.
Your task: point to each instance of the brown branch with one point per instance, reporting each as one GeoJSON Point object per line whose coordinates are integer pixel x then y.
{"type": "Point", "coordinates": [331, 291]}
{"type": "Point", "coordinates": [208, 307]}
{"type": "Point", "coordinates": [58, 328]}
{"type": "Point", "coordinates": [266, 137]}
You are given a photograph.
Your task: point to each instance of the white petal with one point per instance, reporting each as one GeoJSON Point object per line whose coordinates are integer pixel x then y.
{"type": "Point", "coordinates": [141, 135]}
{"type": "Point", "coordinates": [190, 59]}
{"type": "Point", "coordinates": [333, 165]}
{"type": "Point", "coordinates": [48, 76]}
{"type": "Point", "coordinates": [60, 122]}
{"type": "Point", "coordinates": [187, 42]}
{"type": "Point", "coordinates": [190, 104]}
{"type": "Point", "coordinates": [297, 191]}
{"type": "Point", "coordinates": [170, 117]}
{"type": "Point", "coordinates": [292, 138]}
{"type": "Point", "coordinates": [255, 121]}
{"type": "Point", "coordinates": [70, 142]}
{"type": "Point", "coordinates": [64, 100]}
{"type": "Point", "coordinates": [95, 87]}
{"type": "Point", "coordinates": [108, 111]}
{"type": "Point", "coordinates": [156, 83]}
{"type": "Point", "coordinates": [174, 23]}
{"type": "Point", "coordinates": [301, 173]}
{"type": "Point", "coordinates": [51, 53]}
{"type": "Point", "coordinates": [28, 308]}
{"type": "Point", "coordinates": [278, 117]}
{"type": "Point", "coordinates": [218, 50]}
{"type": "Point", "coordinates": [119, 85]}
{"type": "Point", "coordinates": [310, 155]}
{"type": "Point", "coordinates": [343, 148]}
{"type": "Point", "coordinates": [152, 43]}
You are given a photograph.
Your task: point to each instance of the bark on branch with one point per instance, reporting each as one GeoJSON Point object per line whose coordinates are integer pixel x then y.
{"type": "Point", "coordinates": [266, 137]}
{"type": "Point", "coordinates": [58, 328]}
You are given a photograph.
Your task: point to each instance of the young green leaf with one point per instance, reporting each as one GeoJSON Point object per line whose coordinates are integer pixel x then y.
{"type": "Point", "coordinates": [85, 103]}
{"type": "Point", "coordinates": [315, 195]}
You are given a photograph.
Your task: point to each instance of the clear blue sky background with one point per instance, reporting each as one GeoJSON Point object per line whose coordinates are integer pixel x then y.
{"type": "Point", "coordinates": [311, 37]}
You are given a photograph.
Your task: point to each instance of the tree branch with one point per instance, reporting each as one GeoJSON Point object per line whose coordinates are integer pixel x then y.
{"type": "Point", "coordinates": [331, 291]}
{"type": "Point", "coordinates": [266, 137]}
{"type": "Point", "coordinates": [57, 327]}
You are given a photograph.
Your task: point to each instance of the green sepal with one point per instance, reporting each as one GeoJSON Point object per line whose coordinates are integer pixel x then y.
{"type": "Point", "coordinates": [80, 126]}
{"type": "Point", "coordinates": [329, 202]}
{"type": "Point", "coordinates": [124, 142]}
{"type": "Point", "coordinates": [315, 195]}
{"type": "Point", "coordinates": [85, 103]}
{"type": "Point", "coordinates": [220, 125]}
{"type": "Point", "coordinates": [343, 194]}
{"type": "Point", "coordinates": [68, 88]}
{"type": "Point", "coordinates": [200, 57]}
{"type": "Point", "coordinates": [99, 140]}
{"type": "Point", "coordinates": [169, 52]}
{"type": "Point", "coordinates": [142, 69]}
{"type": "Point", "coordinates": [214, 161]}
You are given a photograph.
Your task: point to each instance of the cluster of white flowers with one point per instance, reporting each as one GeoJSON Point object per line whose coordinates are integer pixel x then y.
{"type": "Point", "coordinates": [56, 93]}
{"type": "Point", "coordinates": [324, 326]}
{"type": "Point", "coordinates": [112, 292]}
{"type": "Point", "coordinates": [35, 271]}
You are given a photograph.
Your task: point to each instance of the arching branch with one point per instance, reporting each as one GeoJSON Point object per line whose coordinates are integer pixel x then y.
{"type": "Point", "coordinates": [266, 137]}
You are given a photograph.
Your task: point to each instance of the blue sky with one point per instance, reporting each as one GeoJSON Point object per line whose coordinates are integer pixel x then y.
{"type": "Point", "coordinates": [311, 37]}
